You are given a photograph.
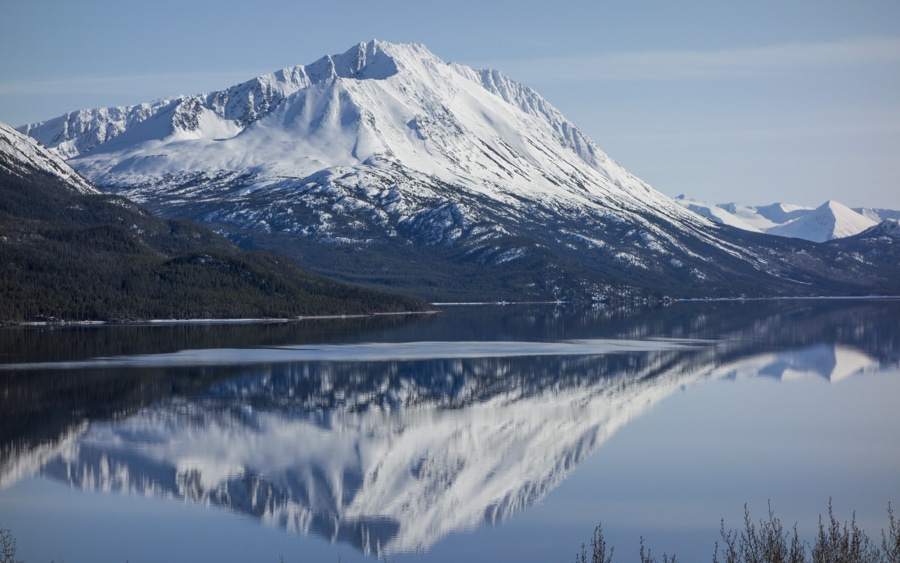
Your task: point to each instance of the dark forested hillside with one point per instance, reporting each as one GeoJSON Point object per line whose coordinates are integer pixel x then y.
{"type": "Point", "coordinates": [68, 256]}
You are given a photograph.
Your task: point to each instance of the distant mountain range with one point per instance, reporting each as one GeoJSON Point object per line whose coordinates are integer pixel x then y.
{"type": "Point", "coordinates": [829, 221]}
{"type": "Point", "coordinates": [388, 167]}
{"type": "Point", "coordinates": [71, 253]}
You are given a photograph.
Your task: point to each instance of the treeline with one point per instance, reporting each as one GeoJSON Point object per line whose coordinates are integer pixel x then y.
{"type": "Point", "coordinates": [70, 257]}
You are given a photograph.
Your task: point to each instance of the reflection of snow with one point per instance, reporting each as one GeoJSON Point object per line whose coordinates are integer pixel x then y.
{"type": "Point", "coordinates": [389, 476]}
{"type": "Point", "coordinates": [833, 363]}
{"type": "Point", "coordinates": [402, 479]}
{"type": "Point", "coordinates": [16, 465]}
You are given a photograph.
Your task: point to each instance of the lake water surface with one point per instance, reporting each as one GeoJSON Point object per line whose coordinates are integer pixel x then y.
{"type": "Point", "coordinates": [482, 433]}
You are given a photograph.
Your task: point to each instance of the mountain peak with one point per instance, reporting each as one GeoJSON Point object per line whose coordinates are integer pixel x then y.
{"type": "Point", "coordinates": [829, 221]}
{"type": "Point", "coordinates": [372, 60]}
{"type": "Point", "coordinates": [832, 205]}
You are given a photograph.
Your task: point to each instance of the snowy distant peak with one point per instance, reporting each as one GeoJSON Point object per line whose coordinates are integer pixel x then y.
{"type": "Point", "coordinates": [780, 213]}
{"type": "Point", "coordinates": [725, 214]}
{"type": "Point", "coordinates": [829, 221]}
{"type": "Point", "coordinates": [20, 154]}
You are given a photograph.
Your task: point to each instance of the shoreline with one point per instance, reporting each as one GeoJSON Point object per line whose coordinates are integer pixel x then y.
{"type": "Point", "coordinates": [233, 321]}
{"type": "Point", "coordinates": [783, 298]}
{"type": "Point", "coordinates": [497, 303]}
{"type": "Point", "coordinates": [278, 320]}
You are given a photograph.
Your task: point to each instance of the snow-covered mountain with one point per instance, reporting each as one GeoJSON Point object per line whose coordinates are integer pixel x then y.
{"type": "Point", "coordinates": [829, 221]}
{"type": "Point", "coordinates": [21, 155]}
{"type": "Point", "coordinates": [381, 128]}
{"type": "Point", "coordinates": [388, 166]}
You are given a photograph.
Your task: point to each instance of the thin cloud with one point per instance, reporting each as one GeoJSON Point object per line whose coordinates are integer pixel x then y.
{"type": "Point", "coordinates": [693, 65]}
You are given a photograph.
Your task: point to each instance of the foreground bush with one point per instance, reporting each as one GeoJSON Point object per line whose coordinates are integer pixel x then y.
{"type": "Point", "coordinates": [7, 547]}
{"type": "Point", "coordinates": [768, 542]}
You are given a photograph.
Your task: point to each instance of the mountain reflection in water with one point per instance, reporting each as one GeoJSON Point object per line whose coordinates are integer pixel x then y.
{"type": "Point", "coordinates": [391, 453]}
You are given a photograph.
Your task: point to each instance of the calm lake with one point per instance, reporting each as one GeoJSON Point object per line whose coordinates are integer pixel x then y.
{"type": "Point", "coordinates": [482, 433]}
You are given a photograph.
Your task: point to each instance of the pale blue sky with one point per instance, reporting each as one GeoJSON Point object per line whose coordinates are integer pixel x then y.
{"type": "Point", "coordinates": [763, 101]}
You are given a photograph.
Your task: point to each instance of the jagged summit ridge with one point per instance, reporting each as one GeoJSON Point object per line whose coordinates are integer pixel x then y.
{"type": "Point", "coordinates": [366, 61]}
{"type": "Point", "coordinates": [81, 131]}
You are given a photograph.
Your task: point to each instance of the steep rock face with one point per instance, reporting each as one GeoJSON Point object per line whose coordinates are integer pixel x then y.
{"type": "Point", "coordinates": [386, 165]}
